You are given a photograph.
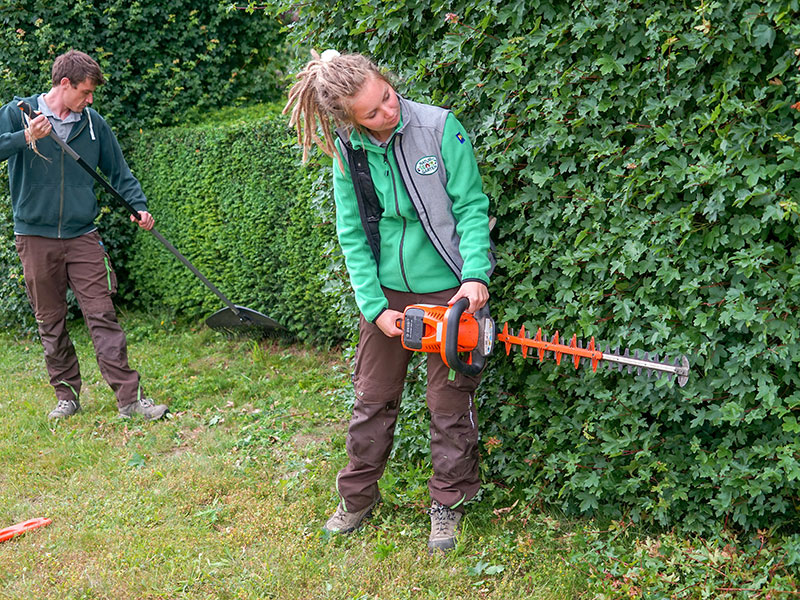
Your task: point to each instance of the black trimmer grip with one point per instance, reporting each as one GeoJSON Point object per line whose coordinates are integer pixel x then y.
{"type": "Point", "coordinates": [452, 359]}
{"type": "Point", "coordinates": [27, 109]}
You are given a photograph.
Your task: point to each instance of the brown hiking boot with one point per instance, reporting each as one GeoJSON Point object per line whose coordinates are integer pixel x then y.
{"type": "Point", "coordinates": [444, 526]}
{"type": "Point", "coordinates": [343, 521]}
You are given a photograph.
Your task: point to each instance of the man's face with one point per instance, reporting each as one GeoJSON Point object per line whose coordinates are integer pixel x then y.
{"type": "Point", "coordinates": [77, 97]}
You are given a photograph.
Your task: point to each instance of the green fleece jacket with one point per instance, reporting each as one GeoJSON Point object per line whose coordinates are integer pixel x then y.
{"type": "Point", "coordinates": [53, 196]}
{"type": "Point", "coordinates": [408, 260]}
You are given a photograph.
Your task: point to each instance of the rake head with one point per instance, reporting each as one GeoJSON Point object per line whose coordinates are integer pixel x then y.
{"type": "Point", "coordinates": [242, 321]}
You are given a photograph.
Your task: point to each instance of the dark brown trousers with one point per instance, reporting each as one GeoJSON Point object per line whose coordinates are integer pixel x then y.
{"type": "Point", "coordinates": [381, 365]}
{"type": "Point", "coordinates": [49, 266]}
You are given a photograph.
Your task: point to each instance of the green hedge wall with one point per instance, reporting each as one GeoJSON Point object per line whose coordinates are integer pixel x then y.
{"type": "Point", "coordinates": [15, 312]}
{"type": "Point", "coordinates": [642, 161]}
{"type": "Point", "coordinates": [230, 196]}
{"type": "Point", "coordinates": [161, 58]}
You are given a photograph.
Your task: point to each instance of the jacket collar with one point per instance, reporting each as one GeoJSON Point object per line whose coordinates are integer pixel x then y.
{"type": "Point", "coordinates": [86, 118]}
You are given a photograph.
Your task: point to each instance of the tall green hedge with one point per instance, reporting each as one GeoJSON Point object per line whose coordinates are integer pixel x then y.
{"type": "Point", "coordinates": [642, 160]}
{"type": "Point", "coordinates": [229, 195]}
{"type": "Point", "coordinates": [15, 312]}
{"type": "Point", "coordinates": [161, 58]}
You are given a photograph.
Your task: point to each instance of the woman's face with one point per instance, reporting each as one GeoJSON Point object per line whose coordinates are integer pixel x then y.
{"type": "Point", "coordinates": [375, 107]}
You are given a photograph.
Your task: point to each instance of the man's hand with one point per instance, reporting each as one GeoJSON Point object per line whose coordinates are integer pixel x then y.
{"type": "Point", "coordinates": [146, 220]}
{"type": "Point", "coordinates": [387, 322]}
{"type": "Point", "coordinates": [40, 128]}
{"type": "Point", "coordinates": [476, 292]}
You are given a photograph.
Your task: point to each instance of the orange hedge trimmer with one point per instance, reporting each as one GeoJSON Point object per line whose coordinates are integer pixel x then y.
{"type": "Point", "coordinates": [450, 331]}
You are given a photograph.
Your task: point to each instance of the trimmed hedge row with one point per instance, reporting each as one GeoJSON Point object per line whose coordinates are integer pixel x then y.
{"type": "Point", "coordinates": [15, 312]}
{"type": "Point", "coordinates": [161, 58]}
{"type": "Point", "coordinates": [642, 161]}
{"type": "Point", "coordinates": [229, 195]}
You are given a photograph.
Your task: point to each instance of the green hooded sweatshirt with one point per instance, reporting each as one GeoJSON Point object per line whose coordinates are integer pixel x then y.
{"type": "Point", "coordinates": [53, 196]}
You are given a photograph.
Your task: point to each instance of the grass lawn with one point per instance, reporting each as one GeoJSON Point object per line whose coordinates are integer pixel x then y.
{"type": "Point", "coordinates": [226, 499]}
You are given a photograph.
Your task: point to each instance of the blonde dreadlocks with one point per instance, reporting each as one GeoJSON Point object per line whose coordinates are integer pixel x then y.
{"type": "Point", "coordinates": [322, 94]}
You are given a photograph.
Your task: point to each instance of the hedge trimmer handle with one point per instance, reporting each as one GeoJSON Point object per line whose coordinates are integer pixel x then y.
{"type": "Point", "coordinates": [450, 353]}
{"type": "Point", "coordinates": [449, 331]}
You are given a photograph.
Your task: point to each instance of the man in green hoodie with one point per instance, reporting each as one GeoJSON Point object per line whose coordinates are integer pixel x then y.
{"type": "Point", "coordinates": [54, 206]}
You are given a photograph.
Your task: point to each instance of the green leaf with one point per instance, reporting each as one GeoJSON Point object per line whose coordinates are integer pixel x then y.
{"type": "Point", "coordinates": [763, 35]}
{"type": "Point", "coordinates": [136, 460]}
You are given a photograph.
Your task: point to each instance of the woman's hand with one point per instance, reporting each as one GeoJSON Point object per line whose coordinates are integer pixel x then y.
{"type": "Point", "coordinates": [475, 291]}
{"type": "Point", "coordinates": [387, 322]}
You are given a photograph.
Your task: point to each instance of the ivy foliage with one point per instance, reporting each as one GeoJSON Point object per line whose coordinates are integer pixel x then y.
{"type": "Point", "coordinates": [228, 194]}
{"type": "Point", "coordinates": [160, 58]}
{"type": "Point", "coordinates": [642, 162]}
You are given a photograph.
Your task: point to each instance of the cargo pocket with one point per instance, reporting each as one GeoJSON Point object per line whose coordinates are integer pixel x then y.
{"type": "Point", "coordinates": [454, 395]}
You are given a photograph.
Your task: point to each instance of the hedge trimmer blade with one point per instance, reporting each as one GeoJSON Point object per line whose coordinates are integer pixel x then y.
{"type": "Point", "coordinates": [650, 364]}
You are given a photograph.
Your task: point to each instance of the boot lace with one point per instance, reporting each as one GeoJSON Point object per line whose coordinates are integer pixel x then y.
{"type": "Point", "coordinates": [444, 520]}
{"type": "Point", "coordinates": [64, 405]}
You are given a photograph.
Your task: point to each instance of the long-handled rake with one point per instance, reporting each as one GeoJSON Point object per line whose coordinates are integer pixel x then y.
{"type": "Point", "coordinates": [230, 319]}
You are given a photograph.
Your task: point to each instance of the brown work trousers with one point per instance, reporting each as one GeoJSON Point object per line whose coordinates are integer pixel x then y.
{"type": "Point", "coordinates": [49, 266]}
{"type": "Point", "coordinates": [380, 371]}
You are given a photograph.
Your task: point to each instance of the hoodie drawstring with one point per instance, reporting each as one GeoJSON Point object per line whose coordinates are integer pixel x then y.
{"type": "Point", "coordinates": [91, 127]}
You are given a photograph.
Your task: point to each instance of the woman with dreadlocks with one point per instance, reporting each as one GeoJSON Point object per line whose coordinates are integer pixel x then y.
{"type": "Point", "coordinates": [412, 222]}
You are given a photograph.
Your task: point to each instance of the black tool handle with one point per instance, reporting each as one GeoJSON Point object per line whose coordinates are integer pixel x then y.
{"type": "Point", "coordinates": [28, 110]}
{"type": "Point", "coordinates": [451, 342]}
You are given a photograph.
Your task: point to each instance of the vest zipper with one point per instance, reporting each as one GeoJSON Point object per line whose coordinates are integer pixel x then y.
{"type": "Point", "coordinates": [402, 218]}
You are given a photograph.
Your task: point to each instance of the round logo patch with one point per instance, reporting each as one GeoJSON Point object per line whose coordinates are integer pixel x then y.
{"type": "Point", "coordinates": [427, 165]}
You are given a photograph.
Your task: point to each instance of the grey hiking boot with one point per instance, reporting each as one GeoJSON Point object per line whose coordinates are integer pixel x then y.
{"type": "Point", "coordinates": [444, 525]}
{"type": "Point", "coordinates": [64, 408]}
{"type": "Point", "coordinates": [145, 408]}
{"type": "Point", "coordinates": [345, 522]}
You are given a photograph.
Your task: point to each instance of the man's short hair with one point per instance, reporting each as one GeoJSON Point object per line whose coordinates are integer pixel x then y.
{"type": "Point", "coordinates": [77, 67]}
